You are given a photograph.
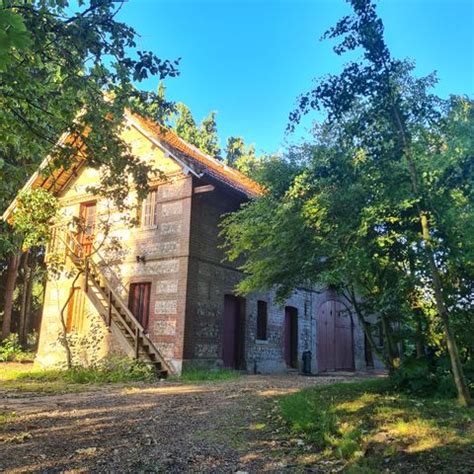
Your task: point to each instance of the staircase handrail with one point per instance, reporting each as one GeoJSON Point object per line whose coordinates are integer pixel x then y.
{"type": "Point", "coordinates": [88, 260]}
{"type": "Point", "coordinates": [70, 237]}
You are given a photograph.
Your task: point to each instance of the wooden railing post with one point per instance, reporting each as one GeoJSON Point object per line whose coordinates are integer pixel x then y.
{"type": "Point", "coordinates": [110, 308]}
{"type": "Point", "coordinates": [86, 275]}
{"type": "Point", "coordinates": [136, 343]}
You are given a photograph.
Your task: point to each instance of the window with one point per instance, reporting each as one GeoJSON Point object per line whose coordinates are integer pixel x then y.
{"type": "Point", "coordinates": [262, 320]}
{"type": "Point", "coordinates": [149, 210]}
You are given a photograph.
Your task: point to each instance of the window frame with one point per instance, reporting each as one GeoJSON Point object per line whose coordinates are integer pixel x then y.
{"type": "Point", "coordinates": [153, 212]}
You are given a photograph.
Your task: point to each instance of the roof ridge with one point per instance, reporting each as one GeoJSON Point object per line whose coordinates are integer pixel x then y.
{"type": "Point", "coordinates": [247, 184]}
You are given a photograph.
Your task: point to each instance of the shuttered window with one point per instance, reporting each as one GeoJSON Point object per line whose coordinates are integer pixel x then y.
{"type": "Point", "coordinates": [149, 210]}
{"type": "Point", "coordinates": [262, 320]}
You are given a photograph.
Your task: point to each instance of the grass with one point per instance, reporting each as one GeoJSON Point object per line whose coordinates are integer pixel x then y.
{"type": "Point", "coordinates": [206, 375]}
{"type": "Point", "coordinates": [367, 427]}
{"type": "Point", "coordinates": [26, 378]}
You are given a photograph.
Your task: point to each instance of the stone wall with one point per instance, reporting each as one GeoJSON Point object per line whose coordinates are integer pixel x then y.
{"type": "Point", "coordinates": [211, 278]}
{"type": "Point", "coordinates": [183, 260]}
{"type": "Point", "coordinates": [164, 249]}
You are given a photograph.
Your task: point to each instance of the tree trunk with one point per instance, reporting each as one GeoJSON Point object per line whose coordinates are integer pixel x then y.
{"type": "Point", "coordinates": [29, 326]}
{"type": "Point", "coordinates": [464, 396]}
{"type": "Point", "coordinates": [368, 333]}
{"type": "Point", "coordinates": [391, 348]}
{"type": "Point", "coordinates": [26, 295]}
{"type": "Point", "coordinates": [12, 272]}
{"type": "Point", "coordinates": [420, 340]}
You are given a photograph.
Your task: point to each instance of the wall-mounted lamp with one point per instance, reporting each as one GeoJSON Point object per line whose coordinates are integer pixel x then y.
{"type": "Point", "coordinates": [141, 258]}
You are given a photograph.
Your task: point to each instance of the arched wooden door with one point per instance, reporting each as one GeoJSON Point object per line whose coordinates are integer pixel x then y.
{"type": "Point", "coordinates": [335, 349]}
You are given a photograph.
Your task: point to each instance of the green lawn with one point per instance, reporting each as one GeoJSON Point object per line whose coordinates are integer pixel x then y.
{"type": "Point", "coordinates": [367, 427]}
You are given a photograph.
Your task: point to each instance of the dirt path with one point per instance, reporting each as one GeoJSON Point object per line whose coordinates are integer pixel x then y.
{"type": "Point", "coordinates": [162, 427]}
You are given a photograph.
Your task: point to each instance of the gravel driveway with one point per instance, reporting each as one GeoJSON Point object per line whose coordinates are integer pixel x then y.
{"type": "Point", "coordinates": [162, 427]}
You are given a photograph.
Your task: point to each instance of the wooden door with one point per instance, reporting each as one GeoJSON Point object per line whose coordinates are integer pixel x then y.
{"type": "Point", "coordinates": [233, 332]}
{"type": "Point", "coordinates": [75, 310]}
{"type": "Point", "coordinates": [291, 337]}
{"type": "Point", "coordinates": [334, 337]}
{"type": "Point", "coordinates": [139, 302]}
{"type": "Point", "coordinates": [87, 226]}
{"type": "Point", "coordinates": [344, 353]}
{"type": "Point", "coordinates": [325, 338]}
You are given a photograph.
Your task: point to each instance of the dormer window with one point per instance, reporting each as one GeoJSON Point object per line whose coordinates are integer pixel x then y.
{"type": "Point", "coordinates": [149, 218]}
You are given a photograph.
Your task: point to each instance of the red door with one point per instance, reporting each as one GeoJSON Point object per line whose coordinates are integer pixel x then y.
{"type": "Point", "coordinates": [334, 338]}
{"type": "Point", "coordinates": [233, 332]}
{"type": "Point", "coordinates": [291, 337]}
{"type": "Point", "coordinates": [87, 226]}
{"type": "Point", "coordinates": [139, 302]}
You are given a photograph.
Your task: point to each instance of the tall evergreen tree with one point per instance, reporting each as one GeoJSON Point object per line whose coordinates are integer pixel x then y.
{"type": "Point", "coordinates": [208, 138]}
{"type": "Point", "coordinates": [185, 125]}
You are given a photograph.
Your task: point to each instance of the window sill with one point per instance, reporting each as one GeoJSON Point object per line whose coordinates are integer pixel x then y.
{"type": "Point", "coordinates": [261, 341]}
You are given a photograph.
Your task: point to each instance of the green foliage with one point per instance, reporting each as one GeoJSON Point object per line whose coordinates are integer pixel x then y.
{"type": "Point", "coordinates": [65, 62]}
{"type": "Point", "coordinates": [33, 215]}
{"type": "Point", "coordinates": [185, 125]}
{"type": "Point", "coordinates": [241, 156]}
{"type": "Point", "coordinates": [429, 378]}
{"type": "Point", "coordinates": [13, 36]}
{"type": "Point", "coordinates": [111, 370]}
{"type": "Point", "coordinates": [12, 351]}
{"type": "Point", "coordinates": [208, 140]}
{"type": "Point", "coordinates": [415, 376]}
{"type": "Point", "coordinates": [9, 348]}
{"type": "Point", "coordinates": [204, 137]}
{"type": "Point", "coordinates": [382, 205]}
{"type": "Point", "coordinates": [207, 375]}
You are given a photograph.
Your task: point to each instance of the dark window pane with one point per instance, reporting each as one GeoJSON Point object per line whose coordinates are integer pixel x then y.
{"type": "Point", "coordinates": [262, 320]}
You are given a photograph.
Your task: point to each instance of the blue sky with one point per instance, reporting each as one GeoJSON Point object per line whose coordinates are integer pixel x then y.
{"type": "Point", "coordinates": [250, 59]}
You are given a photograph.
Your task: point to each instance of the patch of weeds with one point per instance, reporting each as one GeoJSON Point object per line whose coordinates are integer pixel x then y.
{"type": "Point", "coordinates": [116, 370]}
{"type": "Point", "coordinates": [207, 375]}
{"type": "Point", "coordinates": [12, 351]}
{"type": "Point", "coordinates": [371, 427]}
{"type": "Point", "coordinates": [5, 418]}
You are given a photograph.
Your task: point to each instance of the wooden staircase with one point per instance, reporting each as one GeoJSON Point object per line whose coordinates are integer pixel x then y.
{"type": "Point", "coordinates": [106, 299]}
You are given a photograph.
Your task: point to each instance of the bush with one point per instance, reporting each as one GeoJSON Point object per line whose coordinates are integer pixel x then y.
{"type": "Point", "coordinates": [11, 350]}
{"type": "Point", "coordinates": [424, 377]}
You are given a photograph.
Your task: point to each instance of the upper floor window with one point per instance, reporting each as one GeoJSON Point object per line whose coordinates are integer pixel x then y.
{"type": "Point", "coordinates": [262, 320]}
{"type": "Point", "coordinates": [150, 210]}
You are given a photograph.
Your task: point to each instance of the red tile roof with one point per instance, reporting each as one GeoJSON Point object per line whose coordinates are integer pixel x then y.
{"type": "Point", "coordinates": [205, 163]}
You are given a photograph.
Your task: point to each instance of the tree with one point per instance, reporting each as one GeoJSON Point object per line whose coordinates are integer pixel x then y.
{"type": "Point", "coordinates": [240, 156]}
{"type": "Point", "coordinates": [378, 79]}
{"type": "Point", "coordinates": [207, 136]}
{"type": "Point", "coordinates": [72, 68]}
{"type": "Point", "coordinates": [185, 125]}
{"type": "Point", "coordinates": [365, 214]}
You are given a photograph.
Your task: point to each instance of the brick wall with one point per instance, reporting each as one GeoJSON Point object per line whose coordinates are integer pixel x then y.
{"type": "Point", "coordinates": [211, 278]}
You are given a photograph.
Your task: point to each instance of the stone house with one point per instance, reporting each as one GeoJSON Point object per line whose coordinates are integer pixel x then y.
{"type": "Point", "coordinates": [164, 292]}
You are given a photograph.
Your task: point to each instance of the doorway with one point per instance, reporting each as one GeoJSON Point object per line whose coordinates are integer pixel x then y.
{"type": "Point", "coordinates": [233, 332]}
{"type": "Point", "coordinates": [291, 337]}
{"type": "Point", "coordinates": [139, 302]}
{"type": "Point", "coordinates": [335, 349]}
{"type": "Point", "coordinates": [87, 213]}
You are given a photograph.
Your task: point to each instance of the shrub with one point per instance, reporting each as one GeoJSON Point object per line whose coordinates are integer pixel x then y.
{"type": "Point", "coordinates": [11, 350]}
{"type": "Point", "coordinates": [415, 376]}
{"type": "Point", "coordinates": [424, 377]}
